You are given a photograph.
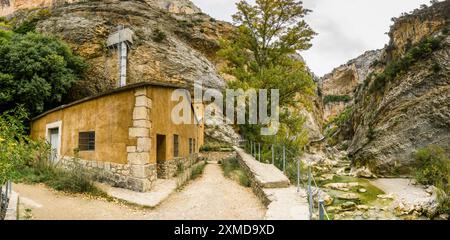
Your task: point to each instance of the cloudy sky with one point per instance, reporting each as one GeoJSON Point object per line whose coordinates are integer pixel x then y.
{"type": "Point", "coordinates": [346, 28]}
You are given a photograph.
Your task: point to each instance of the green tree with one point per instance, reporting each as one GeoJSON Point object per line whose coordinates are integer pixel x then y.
{"type": "Point", "coordinates": [35, 70]}
{"type": "Point", "coordinates": [15, 147]}
{"type": "Point", "coordinates": [263, 55]}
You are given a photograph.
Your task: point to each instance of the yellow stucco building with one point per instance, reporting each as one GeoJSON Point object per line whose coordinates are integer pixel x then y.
{"type": "Point", "coordinates": [126, 135]}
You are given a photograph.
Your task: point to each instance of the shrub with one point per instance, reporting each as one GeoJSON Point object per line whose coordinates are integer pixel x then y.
{"type": "Point", "coordinates": [436, 67]}
{"type": "Point", "coordinates": [36, 71]}
{"type": "Point", "coordinates": [371, 133]}
{"type": "Point", "coordinates": [215, 147]}
{"type": "Point", "coordinates": [197, 170]}
{"type": "Point", "coordinates": [159, 36]}
{"type": "Point", "coordinates": [15, 147]}
{"type": "Point", "coordinates": [336, 98]}
{"type": "Point", "coordinates": [398, 66]}
{"type": "Point", "coordinates": [432, 167]}
{"type": "Point", "coordinates": [232, 169]}
{"type": "Point", "coordinates": [29, 24]}
{"type": "Point", "coordinates": [342, 118]}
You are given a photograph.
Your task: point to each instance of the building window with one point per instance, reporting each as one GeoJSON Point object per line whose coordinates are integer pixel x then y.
{"type": "Point", "coordinates": [193, 146]}
{"type": "Point", "coordinates": [190, 146]}
{"type": "Point", "coordinates": [175, 145]}
{"type": "Point", "coordinates": [86, 141]}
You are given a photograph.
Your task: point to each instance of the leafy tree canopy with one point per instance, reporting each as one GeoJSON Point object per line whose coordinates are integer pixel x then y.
{"type": "Point", "coordinates": [35, 71]}
{"type": "Point", "coordinates": [263, 55]}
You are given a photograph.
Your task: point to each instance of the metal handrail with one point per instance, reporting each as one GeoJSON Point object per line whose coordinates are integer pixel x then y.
{"type": "Point", "coordinates": [255, 150]}
{"type": "Point", "coordinates": [4, 198]}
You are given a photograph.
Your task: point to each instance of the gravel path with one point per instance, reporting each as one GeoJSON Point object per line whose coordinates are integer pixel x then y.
{"type": "Point", "coordinates": [212, 196]}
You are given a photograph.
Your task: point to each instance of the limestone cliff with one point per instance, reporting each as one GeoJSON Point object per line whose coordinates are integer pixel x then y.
{"type": "Point", "coordinates": [8, 7]}
{"type": "Point", "coordinates": [339, 86]}
{"type": "Point", "coordinates": [167, 46]}
{"type": "Point", "coordinates": [173, 41]}
{"type": "Point", "coordinates": [399, 111]}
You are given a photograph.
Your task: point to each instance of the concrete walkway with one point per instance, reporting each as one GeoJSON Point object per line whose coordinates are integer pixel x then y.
{"type": "Point", "coordinates": [210, 197]}
{"type": "Point", "coordinates": [160, 192]}
{"type": "Point", "coordinates": [273, 187]}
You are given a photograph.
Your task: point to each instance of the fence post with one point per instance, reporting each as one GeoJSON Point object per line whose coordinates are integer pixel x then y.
{"type": "Point", "coordinates": [251, 147]}
{"type": "Point", "coordinates": [284, 159]}
{"type": "Point", "coordinates": [1, 197]}
{"type": "Point", "coordinates": [273, 155]}
{"type": "Point", "coordinates": [321, 210]}
{"type": "Point", "coordinates": [259, 152]}
{"type": "Point", "coordinates": [298, 175]}
{"type": "Point", "coordinates": [7, 190]}
{"type": "Point", "coordinates": [310, 194]}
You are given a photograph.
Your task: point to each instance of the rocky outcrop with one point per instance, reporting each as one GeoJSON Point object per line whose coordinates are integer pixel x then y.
{"type": "Point", "coordinates": [412, 110]}
{"type": "Point", "coordinates": [158, 52]}
{"type": "Point", "coordinates": [411, 28]}
{"type": "Point", "coordinates": [173, 6]}
{"type": "Point", "coordinates": [167, 46]}
{"type": "Point", "coordinates": [176, 6]}
{"type": "Point", "coordinates": [339, 86]}
{"type": "Point", "coordinates": [8, 7]}
{"type": "Point", "coordinates": [172, 42]}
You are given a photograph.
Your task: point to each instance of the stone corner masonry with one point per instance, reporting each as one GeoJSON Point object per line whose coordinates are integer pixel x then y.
{"type": "Point", "coordinates": [142, 172]}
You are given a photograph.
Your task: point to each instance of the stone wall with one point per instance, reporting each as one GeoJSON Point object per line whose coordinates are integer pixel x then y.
{"type": "Point", "coordinates": [169, 169]}
{"type": "Point", "coordinates": [117, 175]}
{"type": "Point", "coordinates": [262, 176]}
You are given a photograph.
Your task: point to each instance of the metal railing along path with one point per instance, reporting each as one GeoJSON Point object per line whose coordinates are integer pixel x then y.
{"type": "Point", "coordinates": [5, 193]}
{"type": "Point", "coordinates": [281, 157]}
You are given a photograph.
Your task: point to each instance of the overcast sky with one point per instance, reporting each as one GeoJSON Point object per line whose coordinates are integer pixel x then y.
{"type": "Point", "coordinates": [346, 28]}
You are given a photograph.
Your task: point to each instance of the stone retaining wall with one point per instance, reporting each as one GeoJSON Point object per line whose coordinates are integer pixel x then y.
{"type": "Point", "coordinates": [169, 168]}
{"type": "Point", "coordinates": [272, 187]}
{"type": "Point", "coordinates": [114, 174]}
{"type": "Point", "coordinates": [256, 187]}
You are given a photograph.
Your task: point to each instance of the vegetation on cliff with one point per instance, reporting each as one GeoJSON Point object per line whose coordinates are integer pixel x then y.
{"type": "Point", "coordinates": [396, 67]}
{"type": "Point", "coordinates": [407, 94]}
{"type": "Point", "coordinates": [336, 98]}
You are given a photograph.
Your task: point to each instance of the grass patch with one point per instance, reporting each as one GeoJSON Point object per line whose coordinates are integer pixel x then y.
{"type": "Point", "coordinates": [232, 169]}
{"type": "Point", "coordinates": [75, 180]}
{"type": "Point", "coordinates": [197, 170]}
{"type": "Point", "coordinates": [191, 173]}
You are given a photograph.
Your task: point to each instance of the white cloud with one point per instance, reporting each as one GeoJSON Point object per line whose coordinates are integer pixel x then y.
{"type": "Point", "coordinates": [346, 28]}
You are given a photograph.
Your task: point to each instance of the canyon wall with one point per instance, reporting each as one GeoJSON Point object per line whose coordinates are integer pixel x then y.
{"type": "Point", "coordinates": [393, 117]}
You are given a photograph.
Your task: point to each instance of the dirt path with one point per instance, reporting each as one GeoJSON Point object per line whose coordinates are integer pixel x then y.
{"type": "Point", "coordinates": [212, 196]}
